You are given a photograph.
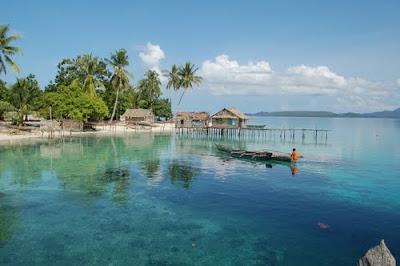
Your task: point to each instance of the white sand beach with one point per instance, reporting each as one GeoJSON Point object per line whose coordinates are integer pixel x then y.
{"type": "Point", "coordinates": [15, 136]}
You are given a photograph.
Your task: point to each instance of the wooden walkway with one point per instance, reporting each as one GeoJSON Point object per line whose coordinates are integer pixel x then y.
{"type": "Point", "coordinates": [284, 133]}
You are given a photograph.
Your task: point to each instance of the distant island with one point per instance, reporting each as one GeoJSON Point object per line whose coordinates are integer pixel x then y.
{"type": "Point", "coordinates": [383, 114]}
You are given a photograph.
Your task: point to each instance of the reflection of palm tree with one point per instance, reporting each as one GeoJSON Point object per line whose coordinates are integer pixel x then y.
{"type": "Point", "coordinates": [121, 190]}
{"type": "Point", "coordinates": [181, 172]}
{"type": "Point", "coordinates": [17, 163]}
{"type": "Point", "coordinates": [6, 223]}
{"type": "Point", "coordinates": [120, 178]}
{"type": "Point", "coordinates": [151, 167]}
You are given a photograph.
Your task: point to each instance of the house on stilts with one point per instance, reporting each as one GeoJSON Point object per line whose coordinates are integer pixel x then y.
{"type": "Point", "coordinates": [192, 120]}
{"type": "Point", "coordinates": [229, 118]}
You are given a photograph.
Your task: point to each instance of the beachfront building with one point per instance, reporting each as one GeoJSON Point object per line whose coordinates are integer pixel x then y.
{"type": "Point", "coordinates": [138, 116]}
{"type": "Point", "coordinates": [191, 120]}
{"type": "Point", "coordinates": [229, 118]}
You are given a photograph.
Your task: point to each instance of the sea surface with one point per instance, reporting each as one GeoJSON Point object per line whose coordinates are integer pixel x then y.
{"type": "Point", "coordinates": [165, 199]}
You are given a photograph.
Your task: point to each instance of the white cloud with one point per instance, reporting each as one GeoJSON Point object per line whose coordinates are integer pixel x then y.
{"type": "Point", "coordinates": [223, 70]}
{"type": "Point", "coordinates": [152, 55]}
{"type": "Point", "coordinates": [228, 77]}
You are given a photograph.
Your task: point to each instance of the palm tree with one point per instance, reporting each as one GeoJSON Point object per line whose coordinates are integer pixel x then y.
{"type": "Point", "coordinates": [119, 79]}
{"type": "Point", "coordinates": [6, 50]}
{"type": "Point", "coordinates": [24, 92]}
{"type": "Point", "coordinates": [149, 87]}
{"type": "Point", "coordinates": [88, 65]}
{"type": "Point", "coordinates": [173, 78]}
{"type": "Point", "coordinates": [187, 78]}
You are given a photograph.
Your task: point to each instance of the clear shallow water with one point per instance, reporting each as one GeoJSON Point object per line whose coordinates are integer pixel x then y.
{"type": "Point", "coordinates": [145, 199]}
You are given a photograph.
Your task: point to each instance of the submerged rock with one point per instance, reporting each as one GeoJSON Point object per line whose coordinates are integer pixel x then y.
{"type": "Point", "coordinates": [377, 256]}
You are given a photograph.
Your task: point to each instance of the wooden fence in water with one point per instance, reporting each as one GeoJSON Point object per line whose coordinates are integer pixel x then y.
{"type": "Point", "coordinates": [233, 133]}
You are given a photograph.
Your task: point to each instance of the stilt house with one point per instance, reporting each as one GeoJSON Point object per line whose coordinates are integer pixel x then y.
{"type": "Point", "coordinates": [191, 120]}
{"type": "Point", "coordinates": [229, 118]}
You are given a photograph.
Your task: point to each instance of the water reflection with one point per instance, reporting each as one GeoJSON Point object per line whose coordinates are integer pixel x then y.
{"type": "Point", "coordinates": [151, 168]}
{"type": "Point", "coordinates": [293, 169]}
{"type": "Point", "coordinates": [6, 222]}
{"type": "Point", "coordinates": [181, 173]}
{"type": "Point", "coordinates": [120, 178]}
{"type": "Point", "coordinates": [23, 164]}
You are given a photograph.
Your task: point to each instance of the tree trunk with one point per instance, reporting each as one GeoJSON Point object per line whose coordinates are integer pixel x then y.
{"type": "Point", "coordinates": [21, 117]}
{"type": "Point", "coordinates": [115, 104]}
{"type": "Point", "coordinates": [177, 107]}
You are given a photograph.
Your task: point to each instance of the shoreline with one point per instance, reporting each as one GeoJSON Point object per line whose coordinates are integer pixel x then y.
{"type": "Point", "coordinates": [22, 136]}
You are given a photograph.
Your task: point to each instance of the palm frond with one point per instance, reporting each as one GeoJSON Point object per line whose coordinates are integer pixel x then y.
{"type": "Point", "coordinates": [3, 30]}
{"type": "Point", "coordinates": [100, 84]}
{"type": "Point", "coordinates": [2, 65]}
{"type": "Point", "coordinates": [12, 64]}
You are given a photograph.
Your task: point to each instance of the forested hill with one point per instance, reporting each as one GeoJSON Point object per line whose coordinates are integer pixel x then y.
{"type": "Point", "coordinates": [384, 114]}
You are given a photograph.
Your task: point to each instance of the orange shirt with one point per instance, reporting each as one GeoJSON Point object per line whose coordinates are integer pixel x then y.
{"type": "Point", "coordinates": [294, 155]}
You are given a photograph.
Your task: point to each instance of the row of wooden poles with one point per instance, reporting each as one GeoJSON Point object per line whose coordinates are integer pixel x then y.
{"type": "Point", "coordinates": [232, 133]}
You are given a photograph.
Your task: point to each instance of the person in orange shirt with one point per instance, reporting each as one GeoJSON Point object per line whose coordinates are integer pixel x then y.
{"type": "Point", "coordinates": [294, 155]}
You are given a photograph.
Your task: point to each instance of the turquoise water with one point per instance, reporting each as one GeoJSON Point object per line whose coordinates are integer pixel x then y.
{"type": "Point", "coordinates": [159, 199]}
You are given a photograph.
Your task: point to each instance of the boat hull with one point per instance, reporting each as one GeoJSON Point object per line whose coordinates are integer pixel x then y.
{"type": "Point", "coordinates": [253, 155]}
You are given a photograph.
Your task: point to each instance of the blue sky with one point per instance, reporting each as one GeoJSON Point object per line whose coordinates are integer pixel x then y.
{"type": "Point", "coordinates": [254, 55]}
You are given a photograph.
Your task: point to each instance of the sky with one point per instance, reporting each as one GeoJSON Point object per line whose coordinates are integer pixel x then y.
{"type": "Point", "coordinates": [339, 56]}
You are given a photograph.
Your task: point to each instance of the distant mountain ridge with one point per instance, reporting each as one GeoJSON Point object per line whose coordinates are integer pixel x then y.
{"type": "Point", "coordinates": [383, 114]}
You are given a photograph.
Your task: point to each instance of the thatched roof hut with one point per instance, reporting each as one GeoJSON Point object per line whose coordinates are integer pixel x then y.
{"type": "Point", "coordinates": [229, 118]}
{"type": "Point", "coordinates": [138, 115]}
{"type": "Point", "coordinates": [192, 119]}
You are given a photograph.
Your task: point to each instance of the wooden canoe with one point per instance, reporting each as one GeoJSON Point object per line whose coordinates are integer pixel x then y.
{"type": "Point", "coordinates": [253, 155]}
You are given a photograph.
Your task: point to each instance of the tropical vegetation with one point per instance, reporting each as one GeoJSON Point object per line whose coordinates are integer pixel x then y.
{"type": "Point", "coordinates": [24, 94]}
{"type": "Point", "coordinates": [88, 87]}
{"type": "Point", "coordinates": [183, 77]}
{"type": "Point", "coordinates": [72, 102]}
{"type": "Point", "coordinates": [6, 50]}
{"type": "Point", "coordinates": [120, 78]}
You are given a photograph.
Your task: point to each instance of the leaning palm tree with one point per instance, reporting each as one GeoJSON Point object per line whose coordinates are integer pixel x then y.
{"type": "Point", "coordinates": [173, 78]}
{"type": "Point", "coordinates": [6, 50]}
{"type": "Point", "coordinates": [24, 92]}
{"type": "Point", "coordinates": [187, 78]}
{"type": "Point", "coordinates": [119, 79]}
{"type": "Point", "coordinates": [88, 65]}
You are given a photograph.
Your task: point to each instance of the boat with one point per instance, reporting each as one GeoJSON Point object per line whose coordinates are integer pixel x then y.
{"type": "Point", "coordinates": [243, 154]}
{"type": "Point", "coordinates": [254, 155]}
{"type": "Point", "coordinates": [256, 126]}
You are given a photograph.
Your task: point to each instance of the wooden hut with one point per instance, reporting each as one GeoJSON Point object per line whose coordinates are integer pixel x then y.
{"type": "Point", "coordinates": [191, 120]}
{"type": "Point", "coordinates": [138, 116]}
{"type": "Point", "coordinates": [229, 118]}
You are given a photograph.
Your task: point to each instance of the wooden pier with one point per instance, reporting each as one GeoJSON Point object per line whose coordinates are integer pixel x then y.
{"type": "Point", "coordinates": [232, 133]}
